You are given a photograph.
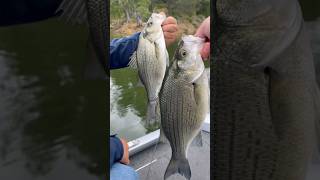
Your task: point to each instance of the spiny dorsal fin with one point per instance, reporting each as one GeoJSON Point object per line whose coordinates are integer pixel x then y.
{"type": "Point", "coordinates": [133, 61]}
{"type": "Point", "coordinates": [73, 11]}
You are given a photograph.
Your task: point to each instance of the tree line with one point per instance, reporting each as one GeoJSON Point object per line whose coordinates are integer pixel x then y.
{"type": "Point", "coordinates": [128, 10]}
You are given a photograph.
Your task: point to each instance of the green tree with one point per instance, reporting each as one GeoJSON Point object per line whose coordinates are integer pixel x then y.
{"type": "Point", "coordinates": [116, 11]}
{"type": "Point", "coordinates": [203, 7]}
{"type": "Point", "coordinates": [182, 8]}
{"type": "Point", "coordinates": [130, 9]}
{"type": "Point", "coordinates": [143, 8]}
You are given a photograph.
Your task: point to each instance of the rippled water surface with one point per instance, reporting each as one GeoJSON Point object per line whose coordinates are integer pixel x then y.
{"type": "Point", "coordinates": [51, 119]}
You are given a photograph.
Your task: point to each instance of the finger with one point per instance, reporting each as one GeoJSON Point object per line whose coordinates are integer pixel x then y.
{"type": "Point", "coordinates": [169, 41]}
{"type": "Point", "coordinates": [199, 33]}
{"type": "Point", "coordinates": [125, 157]}
{"type": "Point", "coordinates": [168, 35]}
{"type": "Point", "coordinates": [170, 28]}
{"type": "Point", "coordinates": [204, 29]}
{"type": "Point", "coordinates": [205, 52]}
{"type": "Point", "coordinates": [169, 20]}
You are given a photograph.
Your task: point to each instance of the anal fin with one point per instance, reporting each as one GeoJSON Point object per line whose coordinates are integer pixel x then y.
{"type": "Point", "coordinates": [197, 140]}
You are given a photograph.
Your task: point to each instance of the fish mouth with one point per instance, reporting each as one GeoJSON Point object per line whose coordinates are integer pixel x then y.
{"type": "Point", "coordinates": [145, 34]}
{"type": "Point", "coordinates": [162, 16]}
{"type": "Point", "coordinates": [192, 43]}
{"type": "Point", "coordinates": [190, 39]}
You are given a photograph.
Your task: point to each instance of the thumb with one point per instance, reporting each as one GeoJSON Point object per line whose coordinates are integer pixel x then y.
{"type": "Point", "coordinates": [205, 52]}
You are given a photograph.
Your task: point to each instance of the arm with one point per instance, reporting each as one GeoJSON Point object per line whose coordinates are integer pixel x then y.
{"type": "Point", "coordinates": [121, 50]}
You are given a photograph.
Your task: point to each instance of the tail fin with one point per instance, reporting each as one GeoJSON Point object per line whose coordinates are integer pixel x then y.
{"type": "Point", "coordinates": [180, 166]}
{"type": "Point", "coordinates": [152, 112]}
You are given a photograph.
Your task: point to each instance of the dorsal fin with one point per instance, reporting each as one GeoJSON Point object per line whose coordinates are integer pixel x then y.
{"type": "Point", "coordinates": [73, 11]}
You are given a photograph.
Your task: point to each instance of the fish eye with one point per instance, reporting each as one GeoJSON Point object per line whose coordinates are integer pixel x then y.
{"type": "Point", "coordinates": [183, 53]}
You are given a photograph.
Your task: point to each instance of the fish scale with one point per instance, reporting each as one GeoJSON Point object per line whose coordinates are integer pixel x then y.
{"type": "Point", "coordinates": [150, 60]}
{"type": "Point", "coordinates": [183, 103]}
{"type": "Point", "coordinates": [236, 151]}
{"type": "Point", "coordinates": [93, 13]}
{"type": "Point", "coordinates": [146, 67]}
{"type": "Point", "coordinates": [264, 92]}
{"type": "Point", "coordinates": [99, 29]}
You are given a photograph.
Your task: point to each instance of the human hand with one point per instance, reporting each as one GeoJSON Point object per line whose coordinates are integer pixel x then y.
{"type": "Point", "coordinates": [125, 157]}
{"type": "Point", "coordinates": [204, 32]}
{"type": "Point", "coordinates": [170, 30]}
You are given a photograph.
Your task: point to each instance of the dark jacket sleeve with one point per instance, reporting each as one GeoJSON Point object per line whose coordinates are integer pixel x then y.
{"type": "Point", "coordinates": [116, 150]}
{"type": "Point", "coordinates": [121, 50]}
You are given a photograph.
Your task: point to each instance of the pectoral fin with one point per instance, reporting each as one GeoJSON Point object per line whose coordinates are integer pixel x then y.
{"type": "Point", "coordinates": [202, 92]}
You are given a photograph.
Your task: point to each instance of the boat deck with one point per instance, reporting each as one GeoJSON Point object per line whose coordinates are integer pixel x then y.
{"type": "Point", "coordinates": [151, 163]}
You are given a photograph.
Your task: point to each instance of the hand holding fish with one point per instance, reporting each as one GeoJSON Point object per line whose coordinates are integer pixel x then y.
{"type": "Point", "coordinates": [125, 156]}
{"type": "Point", "coordinates": [204, 32]}
{"type": "Point", "coordinates": [170, 30]}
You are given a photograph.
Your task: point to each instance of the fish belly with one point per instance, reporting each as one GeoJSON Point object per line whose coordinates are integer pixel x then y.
{"type": "Point", "coordinates": [178, 116]}
{"type": "Point", "coordinates": [263, 120]}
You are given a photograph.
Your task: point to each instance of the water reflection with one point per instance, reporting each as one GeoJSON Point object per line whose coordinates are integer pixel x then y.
{"type": "Point", "coordinates": [128, 104]}
{"type": "Point", "coordinates": [52, 122]}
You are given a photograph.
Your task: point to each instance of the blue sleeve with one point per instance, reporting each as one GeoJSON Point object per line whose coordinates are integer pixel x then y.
{"type": "Point", "coordinates": [116, 150]}
{"type": "Point", "coordinates": [121, 50]}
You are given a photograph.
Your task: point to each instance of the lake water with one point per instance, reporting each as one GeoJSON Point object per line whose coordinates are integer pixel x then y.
{"type": "Point", "coordinates": [128, 101]}
{"type": "Point", "coordinates": [52, 122]}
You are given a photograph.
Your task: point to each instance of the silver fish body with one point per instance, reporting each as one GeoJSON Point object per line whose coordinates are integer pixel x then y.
{"type": "Point", "coordinates": [151, 59]}
{"type": "Point", "coordinates": [183, 103]}
{"type": "Point", "coordinates": [264, 91]}
{"type": "Point", "coordinates": [93, 13]}
{"type": "Point", "coordinates": [97, 14]}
